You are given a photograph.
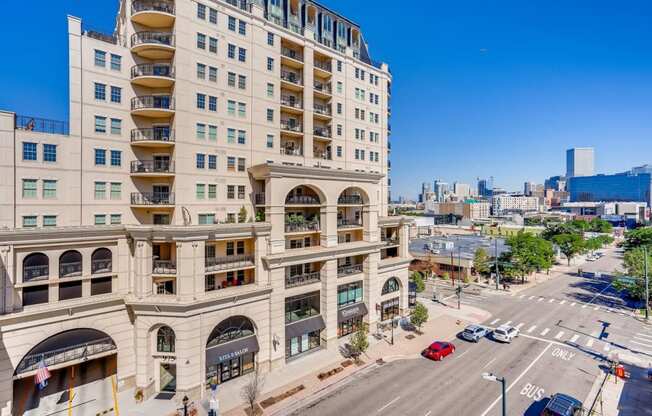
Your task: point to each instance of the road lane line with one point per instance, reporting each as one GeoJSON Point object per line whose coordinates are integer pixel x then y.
{"type": "Point", "coordinates": [574, 338]}
{"type": "Point", "coordinates": [643, 335]}
{"type": "Point", "coordinates": [589, 342]}
{"type": "Point", "coordinates": [573, 304]}
{"type": "Point", "coordinates": [388, 404]}
{"type": "Point", "coordinates": [516, 380]}
{"type": "Point", "coordinates": [428, 414]}
{"type": "Point", "coordinates": [530, 298]}
{"type": "Point", "coordinates": [520, 325]}
{"type": "Point", "coordinates": [551, 300]}
{"type": "Point", "coordinates": [559, 335]}
{"type": "Point", "coordinates": [490, 361]}
{"type": "Point", "coordinates": [545, 331]}
{"type": "Point", "coordinates": [494, 321]}
{"type": "Point", "coordinates": [531, 329]}
{"type": "Point", "coordinates": [640, 343]}
{"type": "Point", "coordinates": [508, 322]}
{"type": "Point", "coordinates": [462, 354]}
{"type": "Point", "coordinates": [562, 302]}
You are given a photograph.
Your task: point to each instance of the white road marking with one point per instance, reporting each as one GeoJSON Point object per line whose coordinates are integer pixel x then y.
{"type": "Point", "coordinates": [596, 308]}
{"type": "Point", "coordinates": [606, 347]}
{"type": "Point", "coordinates": [559, 335]}
{"type": "Point", "coordinates": [643, 335]}
{"type": "Point", "coordinates": [428, 414]}
{"type": "Point", "coordinates": [562, 302]}
{"type": "Point", "coordinates": [494, 321]}
{"type": "Point", "coordinates": [545, 331]}
{"type": "Point", "coordinates": [490, 361]}
{"type": "Point", "coordinates": [584, 306]}
{"type": "Point", "coordinates": [521, 297]}
{"type": "Point", "coordinates": [574, 338]}
{"type": "Point", "coordinates": [573, 304]}
{"type": "Point", "coordinates": [595, 334]}
{"type": "Point", "coordinates": [508, 322]}
{"type": "Point", "coordinates": [540, 299]}
{"type": "Point", "coordinates": [520, 325]}
{"type": "Point", "coordinates": [589, 342]}
{"type": "Point", "coordinates": [530, 298]}
{"type": "Point", "coordinates": [462, 354]}
{"type": "Point", "coordinates": [551, 300]}
{"type": "Point", "coordinates": [640, 343]}
{"type": "Point", "coordinates": [388, 404]}
{"type": "Point", "coordinates": [517, 380]}
{"type": "Point", "coordinates": [531, 329]}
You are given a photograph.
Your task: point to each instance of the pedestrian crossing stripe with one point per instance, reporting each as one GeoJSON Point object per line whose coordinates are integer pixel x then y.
{"type": "Point", "coordinates": [589, 342]}
{"type": "Point", "coordinates": [574, 338]}
{"type": "Point", "coordinates": [540, 299]}
{"type": "Point", "coordinates": [607, 347]}
{"type": "Point", "coordinates": [531, 329]}
{"type": "Point", "coordinates": [559, 335]}
{"type": "Point", "coordinates": [584, 306]}
{"type": "Point", "coordinates": [562, 302]}
{"type": "Point", "coordinates": [521, 297]}
{"type": "Point", "coordinates": [573, 304]}
{"type": "Point", "coordinates": [520, 325]}
{"type": "Point", "coordinates": [494, 321]}
{"type": "Point", "coordinates": [508, 322]}
{"type": "Point", "coordinates": [596, 308]}
{"type": "Point", "coordinates": [545, 331]}
{"type": "Point", "coordinates": [530, 298]}
{"type": "Point", "coordinates": [551, 300]}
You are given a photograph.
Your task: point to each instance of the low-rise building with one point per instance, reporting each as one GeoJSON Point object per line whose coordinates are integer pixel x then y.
{"type": "Point", "coordinates": [503, 204]}
{"type": "Point", "coordinates": [469, 209]}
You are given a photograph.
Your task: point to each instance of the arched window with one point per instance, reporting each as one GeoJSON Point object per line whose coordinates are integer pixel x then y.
{"type": "Point", "coordinates": [303, 195]}
{"type": "Point", "coordinates": [36, 266]}
{"type": "Point", "coordinates": [70, 264]}
{"type": "Point", "coordinates": [165, 339]}
{"type": "Point", "coordinates": [101, 261]}
{"type": "Point", "coordinates": [391, 285]}
{"type": "Point", "coordinates": [229, 329]}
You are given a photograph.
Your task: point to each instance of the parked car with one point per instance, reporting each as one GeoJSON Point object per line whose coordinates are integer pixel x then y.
{"type": "Point", "coordinates": [505, 333]}
{"type": "Point", "coordinates": [438, 350]}
{"type": "Point", "coordinates": [474, 333]}
{"type": "Point", "coordinates": [562, 405]}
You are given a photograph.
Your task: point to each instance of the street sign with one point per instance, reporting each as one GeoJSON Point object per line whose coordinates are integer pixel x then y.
{"type": "Point", "coordinates": [628, 280]}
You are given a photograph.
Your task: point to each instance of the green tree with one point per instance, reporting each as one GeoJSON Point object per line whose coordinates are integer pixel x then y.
{"type": "Point", "coordinates": [634, 262]}
{"type": "Point", "coordinates": [445, 276]}
{"type": "Point", "coordinates": [569, 244]}
{"type": "Point", "coordinates": [481, 261]}
{"type": "Point", "coordinates": [419, 316]}
{"type": "Point", "coordinates": [242, 214]}
{"type": "Point", "coordinates": [593, 244]}
{"type": "Point", "coordinates": [599, 225]}
{"type": "Point", "coordinates": [417, 278]}
{"type": "Point", "coordinates": [528, 253]}
{"type": "Point", "coordinates": [359, 341]}
{"type": "Point", "coordinates": [638, 238]}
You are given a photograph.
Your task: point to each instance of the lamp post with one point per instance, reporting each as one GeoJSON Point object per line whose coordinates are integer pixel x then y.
{"type": "Point", "coordinates": [492, 377]}
{"type": "Point", "coordinates": [185, 405]}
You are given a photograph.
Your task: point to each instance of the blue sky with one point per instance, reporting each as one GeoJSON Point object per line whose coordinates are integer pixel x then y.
{"type": "Point", "coordinates": [481, 88]}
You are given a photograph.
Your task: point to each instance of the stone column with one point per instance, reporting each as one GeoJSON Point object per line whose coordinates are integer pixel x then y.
{"type": "Point", "coordinates": [404, 240]}
{"type": "Point", "coordinates": [190, 269]}
{"type": "Point", "coordinates": [328, 219]}
{"type": "Point", "coordinates": [190, 356]}
{"type": "Point", "coordinates": [261, 243]}
{"type": "Point", "coordinates": [275, 215]}
{"type": "Point", "coordinates": [144, 361]}
{"type": "Point", "coordinates": [372, 288]}
{"type": "Point", "coordinates": [328, 300]}
{"type": "Point", "coordinates": [277, 317]}
{"type": "Point", "coordinates": [370, 221]}
{"type": "Point", "coordinates": [143, 268]}
{"type": "Point", "coordinates": [308, 102]}
{"type": "Point", "coordinates": [8, 279]}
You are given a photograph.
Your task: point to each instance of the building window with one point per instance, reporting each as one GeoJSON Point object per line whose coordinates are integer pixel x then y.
{"type": "Point", "coordinates": [100, 91]}
{"type": "Point", "coordinates": [116, 190]}
{"type": "Point", "coordinates": [201, 11]}
{"type": "Point", "coordinates": [100, 157]}
{"type": "Point", "coordinates": [49, 152]}
{"type": "Point", "coordinates": [212, 162]}
{"type": "Point", "coordinates": [230, 79]}
{"type": "Point", "coordinates": [230, 136]}
{"type": "Point", "coordinates": [339, 108]}
{"type": "Point", "coordinates": [200, 191]}
{"type": "Point", "coordinates": [339, 129]}
{"type": "Point", "coordinates": [270, 89]}
{"type": "Point", "coordinates": [200, 131]}
{"type": "Point", "coordinates": [201, 71]}
{"type": "Point", "coordinates": [116, 158]}
{"type": "Point", "coordinates": [100, 124]}
{"type": "Point", "coordinates": [301, 307]}
{"type": "Point", "coordinates": [212, 74]}
{"type": "Point", "coordinates": [242, 110]}
{"type": "Point", "coordinates": [242, 28]}
{"type": "Point", "coordinates": [116, 219]}
{"type": "Point", "coordinates": [339, 87]}
{"type": "Point", "coordinates": [270, 38]}
{"type": "Point", "coordinates": [116, 95]}
{"type": "Point", "coordinates": [29, 151]}
{"type": "Point", "coordinates": [230, 163]}
{"type": "Point", "coordinates": [231, 51]}
{"type": "Point", "coordinates": [270, 64]}
{"type": "Point", "coordinates": [49, 189]}
{"type": "Point", "coordinates": [116, 62]}
{"type": "Point", "coordinates": [241, 192]}
{"type": "Point", "coordinates": [242, 137]}
{"type": "Point", "coordinates": [230, 107]}
{"type": "Point", "coordinates": [242, 82]}
{"type": "Point", "coordinates": [212, 133]}
{"type": "Point", "coordinates": [339, 151]}
{"type": "Point", "coordinates": [230, 192]}
{"type": "Point", "coordinates": [212, 103]}
{"type": "Point", "coordinates": [100, 219]}
{"type": "Point", "coordinates": [201, 41]}
{"type": "Point", "coordinates": [200, 161]}
{"type": "Point", "coordinates": [212, 16]}
{"type": "Point", "coordinates": [241, 164]}
{"type": "Point", "coordinates": [270, 115]}
{"type": "Point", "coordinates": [29, 221]}
{"type": "Point", "coordinates": [339, 66]}
{"type": "Point", "coordinates": [206, 219]}
{"type": "Point", "coordinates": [231, 24]}
{"type": "Point", "coordinates": [212, 191]}
{"type": "Point", "coordinates": [29, 188]}
{"type": "Point", "coordinates": [100, 58]}
{"type": "Point", "coordinates": [349, 294]}
{"type": "Point", "coordinates": [270, 141]}
{"type": "Point", "coordinates": [242, 55]}
{"type": "Point", "coordinates": [391, 285]}
{"type": "Point", "coordinates": [201, 101]}
{"type": "Point", "coordinates": [100, 190]}
{"type": "Point", "coordinates": [49, 220]}
{"type": "Point", "coordinates": [212, 45]}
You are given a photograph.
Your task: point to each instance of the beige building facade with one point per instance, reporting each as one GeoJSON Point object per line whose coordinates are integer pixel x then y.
{"type": "Point", "coordinates": [216, 202]}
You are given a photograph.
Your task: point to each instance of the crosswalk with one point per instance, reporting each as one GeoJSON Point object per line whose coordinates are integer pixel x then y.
{"type": "Point", "coordinates": [643, 341]}
{"type": "Point", "coordinates": [567, 303]}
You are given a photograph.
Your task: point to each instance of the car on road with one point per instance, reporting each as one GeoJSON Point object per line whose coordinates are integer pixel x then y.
{"type": "Point", "coordinates": [505, 333]}
{"type": "Point", "coordinates": [474, 333]}
{"type": "Point", "coordinates": [438, 350]}
{"type": "Point", "coordinates": [562, 405]}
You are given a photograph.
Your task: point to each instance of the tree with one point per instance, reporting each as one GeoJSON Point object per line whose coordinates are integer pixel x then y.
{"type": "Point", "coordinates": [445, 276]}
{"type": "Point", "coordinates": [569, 244]}
{"type": "Point", "coordinates": [419, 316]}
{"type": "Point", "coordinates": [242, 214]}
{"type": "Point", "coordinates": [528, 253]}
{"type": "Point", "coordinates": [252, 389]}
{"type": "Point", "coordinates": [634, 263]}
{"type": "Point", "coordinates": [481, 261]}
{"type": "Point", "coordinates": [360, 341]}
{"type": "Point", "coordinates": [417, 278]}
{"type": "Point", "coordinates": [638, 238]}
{"type": "Point", "coordinates": [598, 225]}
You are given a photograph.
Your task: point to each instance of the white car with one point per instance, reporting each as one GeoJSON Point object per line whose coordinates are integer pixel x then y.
{"type": "Point", "coordinates": [505, 333]}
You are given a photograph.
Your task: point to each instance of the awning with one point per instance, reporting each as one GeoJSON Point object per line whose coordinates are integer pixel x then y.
{"type": "Point", "coordinates": [351, 311]}
{"type": "Point", "coordinates": [296, 329]}
{"type": "Point", "coordinates": [230, 350]}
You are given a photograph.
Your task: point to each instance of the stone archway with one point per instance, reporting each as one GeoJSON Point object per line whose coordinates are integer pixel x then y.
{"type": "Point", "coordinates": [231, 349]}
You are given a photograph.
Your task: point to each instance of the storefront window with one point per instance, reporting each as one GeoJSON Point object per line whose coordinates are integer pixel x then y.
{"type": "Point", "coordinates": [301, 344]}
{"type": "Point", "coordinates": [389, 309]}
{"type": "Point", "coordinates": [348, 327]}
{"type": "Point", "coordinates": [349, 294]}
{"type": "Point", "coordinates": [234, 362]}
{"type": "Point", "coordinates": [301, 307]}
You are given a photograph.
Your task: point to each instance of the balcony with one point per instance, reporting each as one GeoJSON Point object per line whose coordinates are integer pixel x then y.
{"type": "Point", "coordinates": [41, 125]}
{"type": "Point", "coordinates": [33, 273]}
{"type": "Point", "coordinates": [322, 111]}
{"type": "Point", "coordinates": [349, 200]}
{"type": "Point", "coordinates": [302, 227]}
{"type": "Point", "coordinates": [322, 90]}
{"type": "Point", "coordinates": [291, 58]}
{"type": "Point", "coordinates": [348, 223]}
{"type": "Point", "coordinates": [76, 352]}
{"type": "Point", "coordinates": [152, 168]}
{"type": "Point", "coordinates": [390, 241]}
{"type": "Point", "coordinates": [323, 68]}
{"type": "Point", "coordinates": [320, 154]}
{"type": "Point", "coordinates": [291, 151]}
{"type": "Point", "coordinates": [302, 200]}
{"type": "Point", "coordinates": [148, 199]}
{"type": "Point", "coordinates": [291, 80]}
{"type": "Point", "coordinates": [349, 269]}
{"type": "Point", "coordinates": [153, 13]}
{"type": "Point", "coordinates": [291, 104]}
{"type": "Point", "coordinates": [241, 261]}
{"type": "Point", "coordinates": [292, 129]}
{"type": "Point", "coordinates": [302, 279]}
{"type": "Point", "coordinates": [153, 45]}
{"type": "Point", "coordinates": [322, 133]}
{"type": "Point", "coordinates": [153, 137]}
{"type": "Point", "coordinates": [164, 267]}
{"type": "Point", "coordinates": [155, 106]}
{"type": "Point", "coordinates": [157, 75]}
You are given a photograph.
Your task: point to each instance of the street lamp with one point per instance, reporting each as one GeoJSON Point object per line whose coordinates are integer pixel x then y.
{"type": "Point", "coordinates": [185, 405]}
{"type": "Point", "coordinates": [492, 377]}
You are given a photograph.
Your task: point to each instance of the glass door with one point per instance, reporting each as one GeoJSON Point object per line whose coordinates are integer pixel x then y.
{"type": "Point", "coordinates": [168, 377]}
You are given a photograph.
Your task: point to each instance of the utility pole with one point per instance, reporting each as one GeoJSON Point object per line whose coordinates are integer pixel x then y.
{"type": "Point", "coordinates": [459, 277]}
{"type": "Point", "coordinates": [647, 288]}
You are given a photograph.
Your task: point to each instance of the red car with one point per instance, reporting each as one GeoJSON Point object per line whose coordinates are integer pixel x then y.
{"type": "Point", "coordinates": [438, 350]}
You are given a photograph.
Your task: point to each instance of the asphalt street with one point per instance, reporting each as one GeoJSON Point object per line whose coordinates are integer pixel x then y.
{"type": "Point", "coordinates": [569, 325]}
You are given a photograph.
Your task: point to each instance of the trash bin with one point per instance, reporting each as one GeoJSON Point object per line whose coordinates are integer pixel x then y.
{"type": "Point", "coordinates": [620, 371]}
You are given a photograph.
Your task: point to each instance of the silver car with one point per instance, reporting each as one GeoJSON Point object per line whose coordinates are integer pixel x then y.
{"type": "Point", "coordinates": [474, 333]}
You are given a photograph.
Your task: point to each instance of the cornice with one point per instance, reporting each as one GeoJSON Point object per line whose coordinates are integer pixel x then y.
{"type": "Point", "coordinates": [277, 170]}
{"type": "Point", "coordinates": [318, 253]}
{"type": "Point", "coordinates": [198, 232]}
{"type": "Point", "coordinates": [26, 236]}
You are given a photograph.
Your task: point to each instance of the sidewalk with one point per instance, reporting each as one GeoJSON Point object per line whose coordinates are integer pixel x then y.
{"type": "Point", "coordinates": [629, 397]}
{"type": "Point", "coordinates": [443, 324]}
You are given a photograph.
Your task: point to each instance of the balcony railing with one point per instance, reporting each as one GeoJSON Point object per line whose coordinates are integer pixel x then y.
{"type": "Point", "coordinates": [323, 132]}
{"type": "Point", "coordinates": [228, 262]}
{"type": "Point", "coordinates": [291, 53]}
{"type": "Point", "coordinates": [291, 151]}
{"type": "Point", "coordinates": [241, 4]}
{"type": "Point", "coordinates": [259, 199]}
{"type": "Point", "coordinates": [324, 88]}
{"type": "Point", "coordinates": [302, 279]}
{"type": "Point", "coordinates": [152, 70]}
{"type": "Point", "coordinates": [349, 223]}
{"type": "Point", "coordinates": [70, 269]}
{"type": "Point", "coordinates": [349, 269]}
{"type": "Point", "coordinates": [42, 125]}
{"type": "Point", "coordinates": [322, 109]}
{"type": "Point", "coordinates": [349, 200]}
{"type": "Point", "coordinates": [290, 101]}
{"type": "Point", "coordinates": [101, 266]}
{"type": "Point", "coordinates": [66, 354]}
{"type": "Point", "coordinates": [302, 200]}
{"type": "Point", "coordinates": [162, 102]}
{"type": "Point", "coordinates": [162, 6]}
{"type": "Point", "coordinates": [157, 38]}
{"type": "Point", "coordinates": [291, 77]}
{"type": "Point", "coordinates": [301, 227]}
{"type": "Point", "coordinates": [295, 127]}
{"type": "Point", "coordinates": [152, 198]}
{"type": "Point", "coordinates": [164, 266]}
{"type": "Point", "coordinates": [152, 166]}
{"type": "Point", "coordinates": [326, 66]}
{"type": "Point", "coordinates": [155, 134]}
{"type": "Point", "coordinates": [40, 272]}
{"type": "Point", "coordinates": [322, 155]}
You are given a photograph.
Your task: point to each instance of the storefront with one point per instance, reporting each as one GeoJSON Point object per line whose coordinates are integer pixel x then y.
{"type": "Point", "coordinates": [350, 318]}
{"type": "Point", "coordinates": [231, 350]}
{"type": "Point", "coordinates": [389, 309]}
{"type": "Point", "coordinates": [303, 336]}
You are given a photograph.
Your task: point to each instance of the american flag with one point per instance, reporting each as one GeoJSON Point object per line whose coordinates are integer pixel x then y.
{"type": "Point", "coordinates": [42, 375]}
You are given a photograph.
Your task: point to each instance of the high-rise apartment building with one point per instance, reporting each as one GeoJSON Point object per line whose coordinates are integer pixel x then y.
{"type": "Point", "coordinates": [425, 190]}
{"type": "Point", "coordinates": [461, 190]}
{"type": "Point", "coordinates": [441, 190]}
{"type": "Point", "coordinates": [217, 202]}
{"type": "Point", "coordinates": [579, 162]}
{"type": "Point", "coordinates": [485, 187]}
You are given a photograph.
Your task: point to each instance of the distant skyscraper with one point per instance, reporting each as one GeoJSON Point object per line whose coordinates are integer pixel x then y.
{"type": "Point", "coordinates": [607, 188]}
{"type": "Point", "coordinates": [485, 187]}
{"type": "Point", "coordinates": [441, 190]}
{"type": "Point", "coordinates": [461, 190]}
{"type": "Point", "coordinates": [556, 183]}
{"type": "Point", "coordinates": [425, 189]}
{"type": "Point", "coordinates": [579, 162]}
{"type": "Point", "coordinates": [528, 188]}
